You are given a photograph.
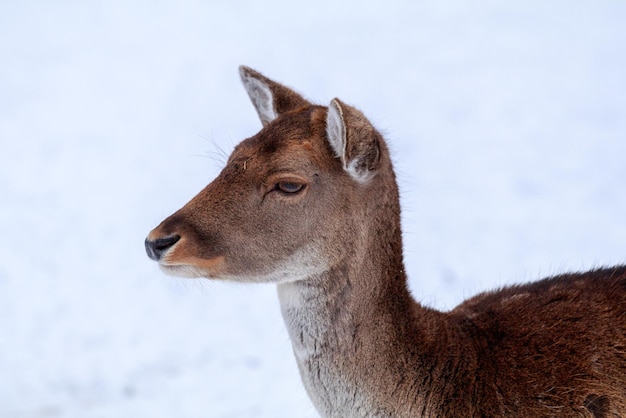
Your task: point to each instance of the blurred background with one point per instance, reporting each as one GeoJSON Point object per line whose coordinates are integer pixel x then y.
{"type": "Point", "coordinates": [507, 123]}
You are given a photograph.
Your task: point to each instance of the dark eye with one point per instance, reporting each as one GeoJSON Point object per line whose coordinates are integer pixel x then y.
{"type": "Point", "coordinates": [289, 187]}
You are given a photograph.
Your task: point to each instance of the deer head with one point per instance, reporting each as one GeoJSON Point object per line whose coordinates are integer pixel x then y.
{"type": "Point", "coordinates": [289, 202]}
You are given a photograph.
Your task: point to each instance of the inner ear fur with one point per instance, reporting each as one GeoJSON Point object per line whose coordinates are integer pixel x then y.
{"type": "Point", "coordinates": [354, 140]}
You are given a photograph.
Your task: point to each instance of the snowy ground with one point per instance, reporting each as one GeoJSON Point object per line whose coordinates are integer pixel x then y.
{"type": "Point", "coordinates": [507, 121]}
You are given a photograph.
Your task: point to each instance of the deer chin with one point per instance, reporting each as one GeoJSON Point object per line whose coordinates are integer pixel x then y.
{"type": "Point", "coordinates": [189, 272]}
{"type": "Point", "coordinates": [302, 265]}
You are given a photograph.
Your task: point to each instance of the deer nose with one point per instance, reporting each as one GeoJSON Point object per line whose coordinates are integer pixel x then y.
{"type": "Point", "coordinates": [156, 248]}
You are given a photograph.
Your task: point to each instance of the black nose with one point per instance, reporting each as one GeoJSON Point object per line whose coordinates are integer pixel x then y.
{"type": "Point", "coordinates": [158, 247]}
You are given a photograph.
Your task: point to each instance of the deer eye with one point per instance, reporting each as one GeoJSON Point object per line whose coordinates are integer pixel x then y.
{"type": "Point", "coordinates": [289, 187]}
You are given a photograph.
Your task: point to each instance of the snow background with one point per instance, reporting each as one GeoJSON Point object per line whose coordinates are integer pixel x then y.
{"type": "Point", "coordinates": [507, 122]}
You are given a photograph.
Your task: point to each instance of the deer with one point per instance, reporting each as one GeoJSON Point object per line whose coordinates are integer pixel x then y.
{"type": "Point", "coordinates": [311, 203]}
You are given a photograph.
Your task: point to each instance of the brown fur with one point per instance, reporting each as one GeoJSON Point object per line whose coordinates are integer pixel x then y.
{"type": "Point", "coordinates": [553, 348]}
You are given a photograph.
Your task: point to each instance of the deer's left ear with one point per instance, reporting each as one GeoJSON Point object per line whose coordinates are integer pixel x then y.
{"type": "Point", "coordinates": [354, 140]}
{"type": "Point", "coordinates": [269, 98]}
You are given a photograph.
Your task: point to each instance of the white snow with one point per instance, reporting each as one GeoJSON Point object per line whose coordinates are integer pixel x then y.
{"type": "Point", "coordinates": [507, 122]}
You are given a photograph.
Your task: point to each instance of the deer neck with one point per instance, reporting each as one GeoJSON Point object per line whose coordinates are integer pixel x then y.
{"type": "Point", "coordinates": [355, 329]}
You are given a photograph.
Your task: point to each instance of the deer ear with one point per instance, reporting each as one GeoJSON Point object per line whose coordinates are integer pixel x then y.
{"type": "Point", "coordinates": [354, 140]}
{"type": "Point", "coordinates": [269, 98]}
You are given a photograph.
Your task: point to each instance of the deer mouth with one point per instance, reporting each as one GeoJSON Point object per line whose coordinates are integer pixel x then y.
{"type": "Point", "coordinates": [192, 267]}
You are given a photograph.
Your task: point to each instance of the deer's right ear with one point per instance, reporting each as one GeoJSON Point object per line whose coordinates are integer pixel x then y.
{"type": "Point", "coordinates": [270, 99]}
{"type": "Point", "coordinates": [354, 140]}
